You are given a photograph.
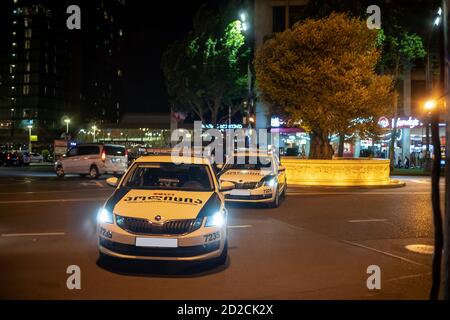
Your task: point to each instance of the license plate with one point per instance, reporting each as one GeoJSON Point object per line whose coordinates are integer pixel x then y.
{"type": "Point", "coordinates": [115, 160]}
{"type": "Point", "coordinates": [238, 192]}
{"type": "Point", "coordinates": [156, 242]}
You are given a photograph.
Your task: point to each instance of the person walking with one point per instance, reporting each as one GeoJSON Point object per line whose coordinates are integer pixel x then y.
{"type": "Point", "coordinates": [406, 162]}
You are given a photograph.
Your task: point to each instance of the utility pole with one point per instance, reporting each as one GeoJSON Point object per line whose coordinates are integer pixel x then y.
{"type": "Point", "coordinates": [446, 227]}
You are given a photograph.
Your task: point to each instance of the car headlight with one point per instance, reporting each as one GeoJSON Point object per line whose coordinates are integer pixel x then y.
{"type": "Point", "coordinates": [268, 181]}
{"type": "Point", "coordinates": [216, 220]}
{"type": "Point", "coordinates": [104, 216]}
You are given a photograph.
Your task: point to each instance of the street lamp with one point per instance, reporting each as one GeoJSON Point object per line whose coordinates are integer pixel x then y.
{"type": "Point", "coordinates": [29, 137]}
{"type": "Point", "coordinates": [245, 20]}
{"type": "Point", "coordinates": [94, 129]}
{"type": "Point", "coordinates": [67, 121]}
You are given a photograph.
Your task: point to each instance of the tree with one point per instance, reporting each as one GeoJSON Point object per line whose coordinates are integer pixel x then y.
{"type": "Point", "coordinates": [322, 72]}
{"type": "Point", "coordinates": [401, 50]}
{"type": "Point", "coordinates": [206, 72]}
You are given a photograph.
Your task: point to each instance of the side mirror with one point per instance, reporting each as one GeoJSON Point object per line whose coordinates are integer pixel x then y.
{"type": "Point", "coordinates": [112, 182]}
{"type": "Point", "coordinates": [281, 169]}
{"type": "Point", "coordinates": [226, 186]}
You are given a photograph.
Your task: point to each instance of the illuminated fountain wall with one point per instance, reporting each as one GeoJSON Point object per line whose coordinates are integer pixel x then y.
{"type": "Point", "coordinates": [340, 172]}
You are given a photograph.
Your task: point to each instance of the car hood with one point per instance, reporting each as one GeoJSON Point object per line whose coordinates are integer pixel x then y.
{"type": "Point", "coordinates": [168, 204]}
{"type": "Point", "coordinates": [244, 175]}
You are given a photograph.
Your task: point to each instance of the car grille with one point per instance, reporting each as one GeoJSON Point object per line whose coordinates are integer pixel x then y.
{"type": "Point", "coordinates": [128, 249]}
{"type": "Point", "coordinates": [170, 227]}
{"type": "Point", "coordinates": [245, 185]}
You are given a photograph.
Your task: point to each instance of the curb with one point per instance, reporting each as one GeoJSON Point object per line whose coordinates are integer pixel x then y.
{"type": "Point", "coordinates": [393, 184]}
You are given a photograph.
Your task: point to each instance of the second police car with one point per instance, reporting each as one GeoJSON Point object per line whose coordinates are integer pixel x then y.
{"type": "Point", "coordinates": [161, 210]}
{"type": "Point", "coordinates": [258, 178]}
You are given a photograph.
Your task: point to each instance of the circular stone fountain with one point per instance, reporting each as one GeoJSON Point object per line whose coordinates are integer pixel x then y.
{"type": "Point", "coordinates": [343, 172]}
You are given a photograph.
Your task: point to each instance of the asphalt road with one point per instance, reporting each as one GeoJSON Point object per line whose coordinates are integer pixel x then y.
{"type": "Point", "coordinates": [317, 245]}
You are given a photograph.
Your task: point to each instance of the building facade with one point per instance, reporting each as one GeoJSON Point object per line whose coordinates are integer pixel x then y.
{"type": "Point", "coordinates": [49, 73]}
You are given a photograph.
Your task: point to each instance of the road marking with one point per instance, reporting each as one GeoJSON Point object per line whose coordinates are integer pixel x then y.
{"type": "Point", "coordinates": [52, 200]}
{"type": "Point", "coordinates": [92, 183]}
{"type": "Point", "coordinates": [367, 220]}
{"type": "Point", "coordinates": [240, 226]}
{"type": "Point", "coordinates": [33, 234]}
{"type": "Point", "coordinates": [384, 252]}
{"type": "Point", "coordinates": [59, 191]}
{"type": "Point", "coordinates": [361, 193]}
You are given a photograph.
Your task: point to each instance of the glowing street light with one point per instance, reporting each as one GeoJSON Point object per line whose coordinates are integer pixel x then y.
{"type": "Point", "coordinates": [94, 129]}
{"type": "Point", "coordinates": [29, 137]}
{"type": "Point", "coordinates": [430, 105]}
{"type": "Point", "coordinates": [67, 121]}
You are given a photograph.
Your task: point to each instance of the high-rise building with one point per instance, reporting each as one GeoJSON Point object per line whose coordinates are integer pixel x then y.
{"type": "Point", "coordinates": [49, 73]}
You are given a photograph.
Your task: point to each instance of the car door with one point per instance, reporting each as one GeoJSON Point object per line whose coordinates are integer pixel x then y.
{"type": "Point", "coordinates": [69, 162]}
{"type": "Point", "coordinates": [88, 156]}
{"type": "Point", "coordinates": [281, 173]}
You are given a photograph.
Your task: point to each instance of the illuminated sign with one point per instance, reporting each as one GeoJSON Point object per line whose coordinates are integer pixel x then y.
{"type": "Point", "coordinates": [409, 122]}
{"type": "Point", "coordinates": [222, 126]}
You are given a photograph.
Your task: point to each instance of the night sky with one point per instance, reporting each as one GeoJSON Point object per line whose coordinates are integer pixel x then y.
{"type": "Point", "coordinates": [150, 27]}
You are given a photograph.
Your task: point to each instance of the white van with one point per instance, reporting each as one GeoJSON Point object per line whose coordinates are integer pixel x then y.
{"type": "Point", "coordinates": [93, 160]}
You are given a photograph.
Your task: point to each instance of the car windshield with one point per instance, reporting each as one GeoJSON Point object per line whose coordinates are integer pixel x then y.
{"type": "Point", "coordinates": [248, 163]}
{"type": "Point", "coordinates": [169, 176]}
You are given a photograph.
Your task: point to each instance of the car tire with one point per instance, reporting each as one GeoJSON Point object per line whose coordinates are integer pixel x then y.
{"type": "Point", "coordinates": [93, 172]}
{"type": "Point", "coordinates": [222, 259]}
{"type": "Point", "coordinates": [59, 171]}
{"type": "Point", "coordinates": [276, 201]}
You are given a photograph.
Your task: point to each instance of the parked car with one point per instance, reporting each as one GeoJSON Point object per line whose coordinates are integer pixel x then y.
{"type": "Point", "coordinates": [93, 160]}
{"type": "Point", "coordinates": [292, 152]}
{"type": "Point", "coordinates": [36, 158]}
{"type": "Point", "coordinates": [24, 158]}
{"type": "Point", "coordinates": [11, 158]}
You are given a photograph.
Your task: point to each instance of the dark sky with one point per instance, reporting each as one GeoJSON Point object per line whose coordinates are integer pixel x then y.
{"type": "Point", "coordinates": [150, 27]}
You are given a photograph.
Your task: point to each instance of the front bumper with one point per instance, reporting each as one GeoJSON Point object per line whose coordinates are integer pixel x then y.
{"type": "Point", "coordinates": [258, 195]}
{"type": "Point", "coordinates": [116, 242]}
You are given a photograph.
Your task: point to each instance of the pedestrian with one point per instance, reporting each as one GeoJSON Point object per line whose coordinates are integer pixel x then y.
{"type": "Point", "coordinates": [399, 161]}
{"type": "Point", "coordinates": [406, 162]}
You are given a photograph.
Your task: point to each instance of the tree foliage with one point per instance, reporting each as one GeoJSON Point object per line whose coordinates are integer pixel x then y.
{"type": "Point", "coordinates": [205, 73]}
{"type": "Point", "coordinates": [322, 72]}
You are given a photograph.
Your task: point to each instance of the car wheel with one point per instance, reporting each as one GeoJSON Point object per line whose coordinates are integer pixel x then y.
{"type": "Point", "coordinates": [93, 172]}
{"type": "Point", "coordinates": [220, 260]}
{"type": "Point", "coordinates": [276, 202]}
{"type": "Point", "coordinates": [60, 171]}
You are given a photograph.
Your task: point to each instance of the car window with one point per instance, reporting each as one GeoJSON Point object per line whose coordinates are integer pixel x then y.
{"type": "Point", "coordinates": [169, 176]}
{"type": "Point", "coordinates": [72, 152]}
{"type": "Point", "coordinates": [114, 150]}
{"type": "Point", "coordinates": [88, 150]}
{"type": "Point", "coordinates": [248, 163]}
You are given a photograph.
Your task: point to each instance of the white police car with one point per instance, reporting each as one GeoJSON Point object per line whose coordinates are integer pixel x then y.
{"type": "Point", "coordinates": [258, 178]}
{"type": "Point", "coordinates": [165, 211]}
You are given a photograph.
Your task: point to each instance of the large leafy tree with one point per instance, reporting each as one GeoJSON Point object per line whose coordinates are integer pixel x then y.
{"type": "Point", "coordinates": [322, 72]}
{"type": "Point", "coordinates": [206, 73]}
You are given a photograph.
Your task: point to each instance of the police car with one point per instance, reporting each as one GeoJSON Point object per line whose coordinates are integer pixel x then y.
{"type": "Point", "coordinates": [258, 178]}
{"type": "Point", "coordinates": [161, 210]}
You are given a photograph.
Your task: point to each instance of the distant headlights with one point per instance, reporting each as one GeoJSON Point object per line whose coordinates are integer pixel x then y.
{"type": "Point", "coordinates": [104, 216]}
{"type": "Point", "coordinates": [216, 220]}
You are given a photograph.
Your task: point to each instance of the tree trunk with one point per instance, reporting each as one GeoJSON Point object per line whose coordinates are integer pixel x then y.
{"type": "Point", "coordinates": [435, 200]}
{"type": "Point", "coordinates": [393, 135]}
{"type": "Point", "coordinates": [320, 145]}
{"type": "Point", "coordinates": [341, 145]}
